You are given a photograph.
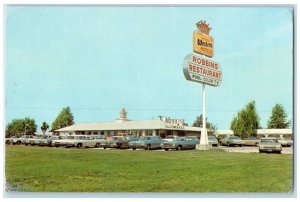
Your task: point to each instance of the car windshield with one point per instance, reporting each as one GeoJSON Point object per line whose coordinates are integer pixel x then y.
{"type": "Point", "coordinates": [79, 137]}
{"type": "Point", "coordinates": [179, 139]}
{"type": "Point", "coordinates": [131, 137]}
{"type": "Point", "coordinates": [170, 137]}
{"type": "Point", "coordinates": [145, 138]}
{"type": "Point", "coordinates": [269, 140]}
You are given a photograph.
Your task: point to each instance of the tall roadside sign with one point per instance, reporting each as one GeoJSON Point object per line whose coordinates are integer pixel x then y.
{"type": "Point", "coordinates": [198, 68]}
{"type": "Point", "coordinates": [202, 70]}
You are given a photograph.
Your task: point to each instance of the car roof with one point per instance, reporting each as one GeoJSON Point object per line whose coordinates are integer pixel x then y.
{"type": "Point", "coordinates": [268, 138]}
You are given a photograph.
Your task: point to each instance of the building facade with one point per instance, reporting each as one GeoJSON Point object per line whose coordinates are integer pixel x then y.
{"type": "Point", "coordinates": [163, 126]}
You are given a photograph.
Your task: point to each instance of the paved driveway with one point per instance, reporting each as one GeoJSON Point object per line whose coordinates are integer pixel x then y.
{"type": "Point", "coordinates": [285, 150]}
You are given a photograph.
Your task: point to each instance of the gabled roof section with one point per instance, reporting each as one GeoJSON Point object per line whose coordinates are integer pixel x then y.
{"type": "Point", "coordinates": [127, 125]}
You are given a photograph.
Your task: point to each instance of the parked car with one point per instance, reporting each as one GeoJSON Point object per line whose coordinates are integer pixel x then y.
{"type": "Point", "coordinates": [251, 141]}
{"type": "Point", "coordinates": [179, 143]}
{"type": "Point", "coordinates": [289, 142]}
{"type": "Point", "coordinates": [231, 141]}
{"type": "Point", "coordinates": [170, 137]}
{"type": "Point", "coordinates": [8, 140]}
{"type": "Point", "coordinates": [269, 145]}
{"type": "Point", "coordinates": [46, 141]}
{"type": "Point", "coordinates": [22, 139]}
{"type": "Point", "coordinates": [146, 142]}
{"type": "Point", "coordinates": [119, 142]}
{"type": "Point", "coordinates": [131, 138]}
{"type": "Point", "coordinates": [283, 142]}
{"type": "Point", "coordinates": [194, 138]}
{"type": "Point", "coordinates": [33, 141]}
{"type": "Point", "coordinates": [212, 140]}
{"type": "Point", "coordinates": [82, 141]}
{"type": "Point", "coordinates": [60, 141]}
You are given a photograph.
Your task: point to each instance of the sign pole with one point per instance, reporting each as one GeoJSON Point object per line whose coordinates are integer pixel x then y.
{"type": "Point", "coordinates": [204, 139]}
{"type": "Point", "coordinates": [199, 69]}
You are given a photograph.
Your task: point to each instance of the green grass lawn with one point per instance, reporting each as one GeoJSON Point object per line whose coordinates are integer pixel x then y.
{"type": "Point", "coordinates": [44, 169]}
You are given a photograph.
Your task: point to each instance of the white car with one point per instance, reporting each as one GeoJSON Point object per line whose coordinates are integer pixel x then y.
{"type": "Point", "coordinates": [82, 141]}
{"type": "Point", "coordinates": [269, 145]}
{"type": "Point", "coordinates": [22, 139]}
{"type": "Point", "coordinates": [283, 142]}
{"type": "Point", "coordinates": [60, 141]}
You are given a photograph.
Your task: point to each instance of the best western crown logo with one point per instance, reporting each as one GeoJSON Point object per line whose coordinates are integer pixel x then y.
{"type": "Point", "coordinates": [203, 27]}
{"type": "Point", "coordinates": [203, 43]}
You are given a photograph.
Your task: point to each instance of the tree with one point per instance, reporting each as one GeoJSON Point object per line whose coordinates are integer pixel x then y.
{"type": "Point", "coordinates": [278, 118]}
{"type": "Point", "coordinates": [44, 127]}
{"type": "Point", "coordinates": [199, 123]}
{"type": "Point", "coordinates": [64, 119]}
{"type": "Point", "coordinates": [19, 127]}
{"type": "Point", "coordinates": [245, 123]}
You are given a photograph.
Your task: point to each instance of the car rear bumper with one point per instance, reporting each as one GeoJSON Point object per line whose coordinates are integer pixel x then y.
{"type": "Point", "coordinates": [270, 149]}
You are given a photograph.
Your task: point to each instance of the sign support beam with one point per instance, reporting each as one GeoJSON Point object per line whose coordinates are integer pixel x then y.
{"type": "Point", "coordinates": [204, 139]}
{"type": "Point", "coordinates": [199, 69]}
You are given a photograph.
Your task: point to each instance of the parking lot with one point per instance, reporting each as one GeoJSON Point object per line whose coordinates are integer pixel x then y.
{"type": "Point", "coordinates": [244, 149]}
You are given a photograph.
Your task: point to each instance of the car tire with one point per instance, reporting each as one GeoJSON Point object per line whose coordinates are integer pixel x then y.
{"type": "Point", "coordinates": [79, 145]}
{"type": "Point", "coordinates": [179, 148]}
{"type": "Point", "coordinates": [166, 149]}
{"type": "Point", "coordinates": [133, 148]}
{"type": "Point", "coordinates": [148, 147]}
{"type": "Point", "coordinates": [97, 145]}
{"type": "Point", "coordinates": [279, 152]}
{"type": "Point", "coordinates": [18, 143]}
{"type": "Point", "coordinates": [241, 145]}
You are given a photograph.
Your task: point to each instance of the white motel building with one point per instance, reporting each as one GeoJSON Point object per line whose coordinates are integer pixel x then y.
{"type": "Point", "coordinates": [161, 126]}
{"type": "Point", "coordinates": [122, 126]}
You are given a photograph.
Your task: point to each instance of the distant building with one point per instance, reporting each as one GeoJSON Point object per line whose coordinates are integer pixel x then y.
{"type": "Point", "coordinates": [162, 126]}
{"type": "Point", "coordinates": [283, 133]}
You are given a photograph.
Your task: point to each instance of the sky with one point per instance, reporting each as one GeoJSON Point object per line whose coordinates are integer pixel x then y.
{"type": "Point", "coordinates": [99, 59]}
